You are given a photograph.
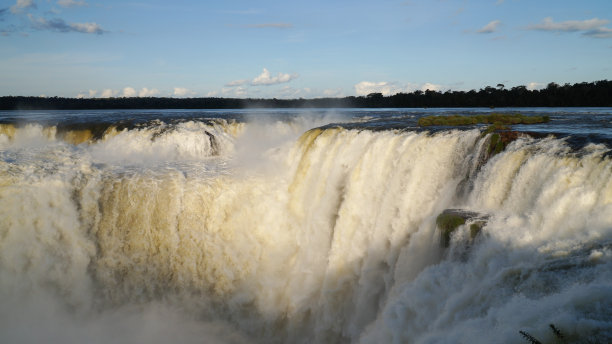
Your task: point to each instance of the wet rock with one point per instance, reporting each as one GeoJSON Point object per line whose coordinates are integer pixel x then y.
{"type": "Point", "coordinates": [451, 219]}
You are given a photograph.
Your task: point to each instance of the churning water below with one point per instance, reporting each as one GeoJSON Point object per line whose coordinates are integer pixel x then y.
{"type": "Point", "coordinates": [301, 226]}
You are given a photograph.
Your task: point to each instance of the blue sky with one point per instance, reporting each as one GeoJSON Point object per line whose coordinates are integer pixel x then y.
{"type": "Point", "coordinates": [291, 49]}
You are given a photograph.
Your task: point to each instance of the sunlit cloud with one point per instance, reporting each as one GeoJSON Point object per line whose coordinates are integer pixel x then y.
{"type": "Point", "coordinates": [182, 92]}
{"type": "Point", "coordinates": [71, 3]}
{"type": "Point", "coordinates": [145, 92]}
{"type": "Point", "coordinates": [22, 5]}
{"type": "Point", "coordinates": [429, 86]}
{"type": "Point", "coordinates": [490, 27]}
{"type": "Point", "coordinates": [129, 92]}
{"type": "Point", "coordinates": [60, 25]}
{"type": "Point", "coordinates": [265, 78]}
{"type": "Point", "coordinates": [108, 93]}
{"type": "Point", "coordinates": [390, 88]}
{"type": "Point", "coordinates": [386, 88]}
{"type": "Point", "coordinates": [89, 94]}
{"type": "Point", "coordinates": [535, 86]}
{"type": "Point", "coordinates": [591, 27]}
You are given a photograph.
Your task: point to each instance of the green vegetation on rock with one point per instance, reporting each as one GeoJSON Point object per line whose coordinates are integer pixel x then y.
{"type": "Point", "coordinates": [495, 144]}
{"type": "Point", "coordinates": [447, 223]}
{"type": "Point", "coordinates": [475, 228]}
{"type": "Point", "coordinates": [451, 219]}
{"type": "Point", "coordinates": [498, 119]}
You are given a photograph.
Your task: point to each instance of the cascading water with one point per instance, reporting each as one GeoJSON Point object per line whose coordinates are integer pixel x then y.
{"type": "Point", "coordinates": [219, 231]}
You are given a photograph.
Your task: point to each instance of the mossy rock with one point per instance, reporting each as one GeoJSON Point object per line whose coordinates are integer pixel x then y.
{"type": "Point", "coordinates": [494, 118]}
{"type": "Point", "coordinates": [451, 219]}
{"type": "Point", "coordinates": [475, 228]}
{"type": "Point", "coordinates": [496, 145]}
{"type": "Point", "coordinates": [447, 223]}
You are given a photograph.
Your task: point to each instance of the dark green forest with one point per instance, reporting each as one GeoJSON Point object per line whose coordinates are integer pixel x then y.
{"type": "Point", "coordinates": [592, 94]}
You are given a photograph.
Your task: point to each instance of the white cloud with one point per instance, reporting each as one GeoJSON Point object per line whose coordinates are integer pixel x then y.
{"type": "Point", "coordinates": [386, 88]}
{"type": "Point", "coordinates": [89, 94]}
{"type": "Point", "coordinates": [126, 92]}
{"type": "Point", "coordinates": [490, 27]}
{"type": "Point", "coordinates": [591, 27]}
{"type": "Point", "coordinates": [602, 32]}
{"type": "Point", "coordinates": [390, 88]}
{"type": "Point", "coordinates": [145, 92]}
{"type": "Point", "coordinates": [108, 93]}
{"type": "Point", "coordinates": [231, 92]}
{"type": "Point", "coordinates": [429, 86]}
{"type": "Point", "coordinates": [86, 28]}
{"type": "Point", "coordinates": [290, 92]}
{"type": "Point", "coordinates": [266, 79]}
{"type": "Point", "coordinates": [535, 86]}
{"type": "Point", "coordinates": [237, 83]}
{"type": "Point", "coordinates": [129, 92]}
{"type": "Point", "coordinates": [60, 25]}
{"type": "Point", "coordinates": [182, 92]}
{"type": "Point", "coordinates": [21, 5]}
{"type": "Point", "coordinates": [240, 92]}
{"type": "Point", "coordinates": [71, 3]}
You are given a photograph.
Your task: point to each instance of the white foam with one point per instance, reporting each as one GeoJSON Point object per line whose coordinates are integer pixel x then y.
{"type": "Point", "coordinates": [336, 241]}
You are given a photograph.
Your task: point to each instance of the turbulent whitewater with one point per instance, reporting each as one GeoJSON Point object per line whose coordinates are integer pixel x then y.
{"type": "Point", "coordinates": [299, 228]}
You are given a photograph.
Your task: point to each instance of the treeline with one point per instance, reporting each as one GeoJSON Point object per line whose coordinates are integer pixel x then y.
{"type": "Point", "coordinates": [592, 94]}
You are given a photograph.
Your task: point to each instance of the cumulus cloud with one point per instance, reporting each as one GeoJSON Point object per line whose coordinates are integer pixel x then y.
{"type": "Point", "coordinates": [271, 25]}
{"type": "Point", "coordinates": [535, 86]}
{"type": "Point", "coordinates": [108, 93]}
{"type": "Point", "coordinates": [89, 94]}
{"type": "Point", "coordinates": [182, 92]}
{"type": "Point", "coordinates": [390, 88]}
{"type": "Point", "coordinates": [429, 86]}
{"type": "Point", "coordinates": [129, 92]}
{"type": "Point", "coordinates": [145, 92]}
{"type": "Point", "coordinates": [60, 25]}
{"type": "Point", "coordinates": [71, 3]}
{"type": "Point", "coordinates": [22, 4]}
{"type": "Point", "coordinates": [591, 27]}
{"type": "Point", "coordinates": [490, 27]}
{"type": "Point", "coordinates": [386, 88]}
{"type": "Point", "coordinates": [265, 78]}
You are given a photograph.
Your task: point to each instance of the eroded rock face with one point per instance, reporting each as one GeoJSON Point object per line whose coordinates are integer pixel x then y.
{"type": "Point", "coordinates": [451, 219]}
